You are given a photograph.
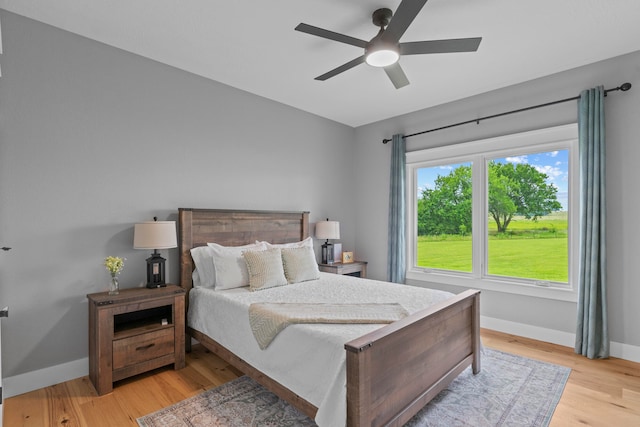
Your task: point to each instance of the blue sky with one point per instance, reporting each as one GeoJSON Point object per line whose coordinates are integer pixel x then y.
{"type": "Point", "coordinates": [555, 164]}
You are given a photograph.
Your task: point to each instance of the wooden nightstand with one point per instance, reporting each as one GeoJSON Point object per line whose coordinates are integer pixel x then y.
{"type": "Point", "coordinates": [133, 332]}
{"type": "Point", "coordinates": [355, 268]}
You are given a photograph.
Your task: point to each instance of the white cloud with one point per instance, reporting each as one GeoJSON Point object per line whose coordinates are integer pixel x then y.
{"type": "Point", "coordinates": [551, 171]}
{"type": "Point", "coordinates": [517, 159]}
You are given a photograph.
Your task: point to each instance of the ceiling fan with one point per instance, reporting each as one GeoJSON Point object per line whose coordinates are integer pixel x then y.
{"type": "Point", "coordinates": [385, 49]}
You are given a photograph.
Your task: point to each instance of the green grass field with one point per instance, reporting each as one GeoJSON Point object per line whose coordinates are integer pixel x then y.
{"type": "Point", "coordinates": [532, 250]}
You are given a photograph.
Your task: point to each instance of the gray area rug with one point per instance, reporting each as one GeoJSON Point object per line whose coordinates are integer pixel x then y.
{"type": "Point", "coordinates": [509, 391]}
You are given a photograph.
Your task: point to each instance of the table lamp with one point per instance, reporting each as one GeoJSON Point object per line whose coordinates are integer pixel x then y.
{"type": "Point", "coordinates": [155, 235]}
{"type": "Point", "coordinates": [327, 230]}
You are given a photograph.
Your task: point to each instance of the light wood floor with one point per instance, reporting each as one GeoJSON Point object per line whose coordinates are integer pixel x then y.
{"type": "Point", "coordinates": [598, 393]}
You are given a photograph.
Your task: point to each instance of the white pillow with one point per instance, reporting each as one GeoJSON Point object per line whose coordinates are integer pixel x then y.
{"type": "Point", "coordinates": [230, 269]}
{"type": "Point", "coordinates": [195, 279]}
{"type": "Point", "coordinates": [204, 274]}
{"type": "Point", "coordinates": [306, 243]}
{"type": "Point", "coordinates": [300, 264]}
{"type": "Point", "coordinates": [265, 269]}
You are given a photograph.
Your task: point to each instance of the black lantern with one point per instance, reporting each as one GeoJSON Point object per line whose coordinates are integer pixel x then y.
{"type": "Point", "coordinates": [155, 270]}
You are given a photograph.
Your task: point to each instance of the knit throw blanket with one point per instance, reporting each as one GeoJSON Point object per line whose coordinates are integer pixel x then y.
{"type": "Point", "coordinates": [268, 319]}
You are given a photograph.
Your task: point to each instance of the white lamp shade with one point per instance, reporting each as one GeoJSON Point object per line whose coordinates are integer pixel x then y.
{"type": "Point", "coordinates": [328, 230]}
{"type": "Point", "coordinates": [155, 235]}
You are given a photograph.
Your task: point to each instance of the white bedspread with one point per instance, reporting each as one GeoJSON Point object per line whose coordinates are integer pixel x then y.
{"type": "Point", "coordinates": [309, 359]}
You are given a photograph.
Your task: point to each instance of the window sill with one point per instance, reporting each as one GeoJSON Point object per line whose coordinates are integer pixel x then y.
{"type": "Point", "coordinates": [468, 282]}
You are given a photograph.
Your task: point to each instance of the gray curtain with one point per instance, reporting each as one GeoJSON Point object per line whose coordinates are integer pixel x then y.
{"type": "Point", "coordinates": [592, 336]}
{"type": "Point", "coordinates": [397, 248]}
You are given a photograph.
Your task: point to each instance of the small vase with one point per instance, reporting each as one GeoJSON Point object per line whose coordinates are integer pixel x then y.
{"type": "Point", "coordinates": [114, 288]}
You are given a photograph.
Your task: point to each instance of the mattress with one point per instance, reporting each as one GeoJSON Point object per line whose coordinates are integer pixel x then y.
{"type": "Point", "coordinates": [308, 359]}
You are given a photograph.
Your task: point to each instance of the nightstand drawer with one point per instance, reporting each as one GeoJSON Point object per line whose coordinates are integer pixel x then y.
{"type": "Point", "coordinates": [355, 268]}
{"type": "Point", "coordinates": [140, 348]}
{"type": "Point", "coordinates": [350, 268]}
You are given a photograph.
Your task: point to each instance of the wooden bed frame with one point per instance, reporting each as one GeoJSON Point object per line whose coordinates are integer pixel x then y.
{"type": "Point", "coordinates": [393, 371]}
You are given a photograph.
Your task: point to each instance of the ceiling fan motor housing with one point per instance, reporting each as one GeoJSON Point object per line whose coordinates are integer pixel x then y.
{"type": "Point", "coordinates": [381, 17]}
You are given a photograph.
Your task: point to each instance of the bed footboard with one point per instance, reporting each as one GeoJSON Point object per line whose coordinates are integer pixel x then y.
{"type": "Point", "coordinates": [396, 370]}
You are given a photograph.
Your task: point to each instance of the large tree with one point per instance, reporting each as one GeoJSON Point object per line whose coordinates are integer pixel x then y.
{"type": "Point", "coordinates": [514, 189]}
{"type": "Point", "coordinates": [519, 189]}
{"type": "Point", "coordinates": [446, 209]}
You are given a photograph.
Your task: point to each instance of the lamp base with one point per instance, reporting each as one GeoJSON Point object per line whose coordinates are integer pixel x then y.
{"type": "Point", "coordinates": [327, 253]}
{"type": "Point", "coordinates": [155, 271]}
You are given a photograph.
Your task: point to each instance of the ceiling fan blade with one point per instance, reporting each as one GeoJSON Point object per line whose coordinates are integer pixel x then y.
{"type": "Point", "coordinates": [402, 18]}
{"type": "Point", "coordinates": [440, 46]}
{"type": "Point", "coordinates": [321, 32]}
{"type": "Point", "coordinates": [396, 75]}
{"type": "Point", "coordinates": [342, 68]}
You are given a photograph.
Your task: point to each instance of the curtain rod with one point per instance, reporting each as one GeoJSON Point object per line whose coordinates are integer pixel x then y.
{"type": "Point", "coordinates": [623, 87]}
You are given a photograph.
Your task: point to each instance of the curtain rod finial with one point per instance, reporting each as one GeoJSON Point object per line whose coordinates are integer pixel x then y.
{"type": "Point", "coordinates": [625, 87]}
{"type": "Point", "coordinates": [384, 141]}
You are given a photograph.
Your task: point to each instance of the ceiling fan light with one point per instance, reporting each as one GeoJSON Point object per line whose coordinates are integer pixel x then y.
{"type": "Point", "coordinates": [382, 57]}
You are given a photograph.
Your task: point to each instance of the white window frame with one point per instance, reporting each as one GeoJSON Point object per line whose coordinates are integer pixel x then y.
{"type": "Point", "coordinates": [479, 152]}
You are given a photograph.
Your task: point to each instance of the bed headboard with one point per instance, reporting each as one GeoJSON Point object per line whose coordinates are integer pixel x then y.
{"type": "Point", "coordinates": [197, 227]}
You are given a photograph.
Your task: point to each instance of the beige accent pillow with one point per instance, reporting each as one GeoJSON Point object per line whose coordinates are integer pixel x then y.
{"type": "Point", "coordinates": [300, 264]}
{"type": "Point", "coordinates": [265, 269]}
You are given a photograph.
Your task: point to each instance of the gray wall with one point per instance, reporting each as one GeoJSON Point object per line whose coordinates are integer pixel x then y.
{"type": "Point", "coordinates": [94, 139]}
{"type": "Point", "coordinates": [623, 175]}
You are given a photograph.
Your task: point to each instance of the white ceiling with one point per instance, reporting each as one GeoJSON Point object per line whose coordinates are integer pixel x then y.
{"type": "Point", "coordinates": [252, 45]}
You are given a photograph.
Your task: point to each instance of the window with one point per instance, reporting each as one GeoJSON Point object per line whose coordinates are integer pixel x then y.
{"type": "Point", "coordinates": [498, 214]}
{"type": "Point", "coordinates": [443, 222]}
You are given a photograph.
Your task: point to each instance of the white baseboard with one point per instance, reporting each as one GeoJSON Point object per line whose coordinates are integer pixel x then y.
{"type": "Point", "coordinates": [18, 384]}
{"type": "Point", "coordinates": [625, 351]}
{"type": "Point", "coordinates": [29, 381]}
{"type": "Point", "coordinates": [567, 339]}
